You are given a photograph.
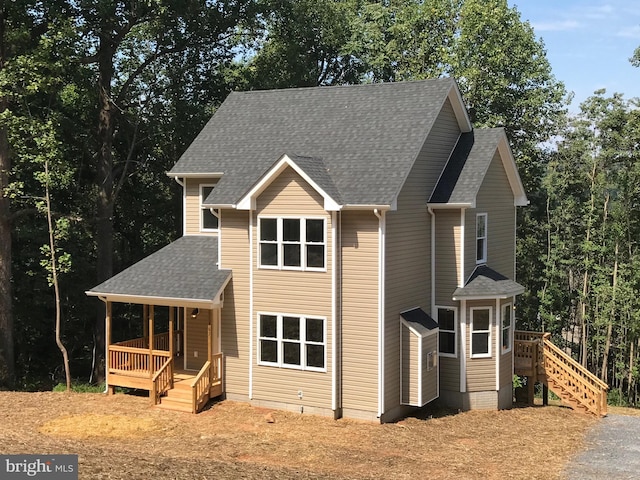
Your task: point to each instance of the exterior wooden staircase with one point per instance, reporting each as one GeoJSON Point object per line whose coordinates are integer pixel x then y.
{"type": "Point", "coordinates": [188, 392]}
{"type": "Point", "coordinates": [538, 359]}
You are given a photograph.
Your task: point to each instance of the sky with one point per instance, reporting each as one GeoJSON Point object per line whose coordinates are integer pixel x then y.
{"type": "Point", "coordinates": [588, 43]}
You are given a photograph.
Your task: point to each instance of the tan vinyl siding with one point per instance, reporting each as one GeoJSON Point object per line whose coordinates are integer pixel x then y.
{"type": "Point", "coordinates": [298, 293]}
{"type": "Point", "coordinates": [410, 366]}
{"type": "Point", "coordinates": [197, 334]}
{"type": "Point", "coordinates": [448, 252]}
{"type": "Point", "coordinates": [496, 199]}
{"type": "Point", "coordinates": [481, 372]}
{"type": "Point", "coordinates": [408, 243]}
{"type": "Point", "coordinates": [429, 378]}
{"type": "Point", "coordinates": [192, 204]}
{"type": "Point", "coordinates": [234, 241]}
{"type": "Point", "coordinates": [360, 310]}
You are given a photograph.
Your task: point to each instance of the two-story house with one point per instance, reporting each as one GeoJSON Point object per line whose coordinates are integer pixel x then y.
{"type": "Point", "coordinates": [348, 251]}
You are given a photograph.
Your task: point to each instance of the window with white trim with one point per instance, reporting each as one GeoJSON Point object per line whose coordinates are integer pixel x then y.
{"type": "Point", "coordinates": [480, 332]}
{"type": "Point", "coordinates": [292, 341]}
{"type": "Point", "coordinates": [209, 220]}
{"type": "Point", "coordinates": [481, 238]}
{"type": "Point", "coordinates": [507, 322]}
{"type": "Point", "coordinates": [447, 320]}
{"type": "Point", "coordinates": [292, 243]}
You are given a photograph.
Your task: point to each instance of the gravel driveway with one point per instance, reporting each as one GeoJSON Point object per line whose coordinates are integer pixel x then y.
{"type": "Point", "coordinates": [613, 451]}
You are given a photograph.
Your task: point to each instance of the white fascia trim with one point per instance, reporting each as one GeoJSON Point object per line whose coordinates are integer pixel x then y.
{"type": "Point", "coordinates": [463, 346]}
{"type": "Point", "coordinates": [460, 110]}
{"type": "Point", "coordinates": [420, 368]}
{"type": "Point", "coordinates": [509, 163]}
{"type": "Point", "coordinates": [381, 306]}
{"type": "Point", "coordinates": [159, 301]}
{"type": "Point", "coordinates": [184, 207]}
{"type": "Point", "coordinates": [195, 175]}
{"type": "Point", "coordinates": [248, 201]}
{"type": "Point", "coordinates": [219, 206]}
{"type": "Point", "coordinates": [357, 206]}
{"type": "Point", "coordinates": [251, 345]}
{"type": "Point", "coordinates": [449, 206]}
{"type": "Point", "coordinates": [334, 313]}
{"type": "Point", "coordinates": [488, 297]}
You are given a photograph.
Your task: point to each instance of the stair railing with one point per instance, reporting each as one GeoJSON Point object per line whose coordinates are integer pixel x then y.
{"type": "Point", "coordinates": [162, 381]}
{"type": "Point", "coordinates": [583, 386]}
{"type": "Point", "coordinates": [200, 387]}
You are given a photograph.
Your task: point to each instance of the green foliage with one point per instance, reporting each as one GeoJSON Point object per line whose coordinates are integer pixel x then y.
{"type": "Point", "coordinates": [80, 387]}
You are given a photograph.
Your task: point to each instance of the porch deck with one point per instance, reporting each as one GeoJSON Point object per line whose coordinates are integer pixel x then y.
{"type": "Point", "coordinates": [133, 364]}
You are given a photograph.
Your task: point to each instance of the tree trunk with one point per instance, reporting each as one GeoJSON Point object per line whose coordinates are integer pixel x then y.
{"type": "Point", "coordinates": [7, 360]}
{"type": "Point", "coordinates": [104, 207]}
{"type": "Point", "coordinates": [54, 275]}
{"type": "Point", "coordinates": [607, 344]}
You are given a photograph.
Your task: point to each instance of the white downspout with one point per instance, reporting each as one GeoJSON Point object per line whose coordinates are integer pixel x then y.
{"type": "Point", "coordinates": [434, 314]}
{"type": "Point", "coordinates": [498, 344]}
{"type": "Point", "coordinates": [251, 346]}
{"type": "Point", "coordinates": [334, 313]}
{"type": "Point", "coordinates": [381, 306]}
{"type": "Point", "coordinates": [463, 308]}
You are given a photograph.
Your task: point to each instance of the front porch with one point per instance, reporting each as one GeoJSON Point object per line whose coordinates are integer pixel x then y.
{"type": "Point", "coordinates": [156, 362]}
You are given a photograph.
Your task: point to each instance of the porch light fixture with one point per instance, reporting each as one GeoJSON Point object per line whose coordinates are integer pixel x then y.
{"type": "Point", "coordinates": [194, 312]}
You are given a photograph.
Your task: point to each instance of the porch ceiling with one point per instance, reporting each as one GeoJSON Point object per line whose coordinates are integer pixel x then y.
{"type": "Point", "coordinates": [184, 273]}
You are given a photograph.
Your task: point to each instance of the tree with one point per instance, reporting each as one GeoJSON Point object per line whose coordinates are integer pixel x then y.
{"type": "Point", "coordinates": [123, 42]}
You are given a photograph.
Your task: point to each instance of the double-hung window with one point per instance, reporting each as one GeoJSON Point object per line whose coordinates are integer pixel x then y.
{"type": "Point", "coordinates": [447, 331]}
{"type": "Point", "coordinates": [292, 341]}
{"type": "Point", "coordinates": [208, 220]}
{"type": "Point", "coordinates": [480, 332]}
{"type": "Point", "coordinates": [292, 243]}
{"type": "Point", "coordinates": [481, 238]}
{"type": "Point", "coordinates": [507, 321]}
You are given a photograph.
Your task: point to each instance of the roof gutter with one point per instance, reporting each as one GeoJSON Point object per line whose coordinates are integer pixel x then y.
{"type": "Point", "coordinates": [195, 175]}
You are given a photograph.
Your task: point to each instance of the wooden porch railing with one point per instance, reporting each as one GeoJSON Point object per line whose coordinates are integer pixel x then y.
{"type": "Point", "coordinates": [135, 361]}
{"type": "Point", "coordinates": [537, 358]}
{"type": "Point", "coordinates": [207, 383]}
{"type": "Point", "coordinates": [160, 341]}
{"type": "Point", "coordinates": [162, 381]}
{"type": "Point", "coordinates": [200, 387]}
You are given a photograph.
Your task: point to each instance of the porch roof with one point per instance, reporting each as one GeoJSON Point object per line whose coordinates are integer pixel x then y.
{"type": "Point", "coordinates": [184, 273]}
{"type": "Point", "coordinates": [486, 283]}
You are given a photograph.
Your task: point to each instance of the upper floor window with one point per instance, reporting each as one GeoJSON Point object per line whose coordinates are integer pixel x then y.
{"type": "Point", "coordinates": [481, 238]}
{"type": "Point", "coordinates": [292, 243]}
{"type": "Point", "coordinates": [507, 321]}
{"type": "Point", "coordinates": [480, 332]}
{"type": "Point", "coordinates": [447, 331]}
{"type": "Point", "coordinates": [209, 220]}
{"type": "Point", "coordinates": [292, 341]}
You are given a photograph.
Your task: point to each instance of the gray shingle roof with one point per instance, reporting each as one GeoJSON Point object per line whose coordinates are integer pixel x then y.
{"type": "Point", "coordinates": [420, 320]}
{"type": "Point", "coordinates": [485, 282]}
{"type": "Point", "coordinates": [465, 170]}
{"type": "Point", "coordinates": [367, 136]}
{"type": "Point", "coordinates": [185, 269]}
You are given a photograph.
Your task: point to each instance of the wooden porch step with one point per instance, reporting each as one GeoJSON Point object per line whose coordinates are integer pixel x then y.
{"type": "Point", "coordinates": [173, 404]}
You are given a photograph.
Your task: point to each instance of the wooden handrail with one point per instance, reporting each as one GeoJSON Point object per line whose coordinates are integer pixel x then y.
{"type": "Point", "coordinates": [162, 380]}
{"type": "Point", "coordinates": [595, 380]}
{"type": "Point", "coordinates": [200, 386]}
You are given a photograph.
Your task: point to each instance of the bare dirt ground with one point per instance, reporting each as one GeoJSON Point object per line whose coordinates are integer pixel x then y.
{"type": "Point", "coordinates": [122, 437]}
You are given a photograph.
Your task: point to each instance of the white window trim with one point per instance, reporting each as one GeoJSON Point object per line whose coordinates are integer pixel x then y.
{"type": "Point", "coordinates": [215, 212]}
{"type": "Point", "coordinates": [455, 330]}
{"type": "Point", "coordinates": [508, 306]}
{"type": "Point", "coordinates": [486, 235]}
{"type": "Point", "coordinates": [303, 343]}
{"type": "Point", "coordinates": [472, 331]}
{"type": "Point", "coordinates": [303, 243]}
